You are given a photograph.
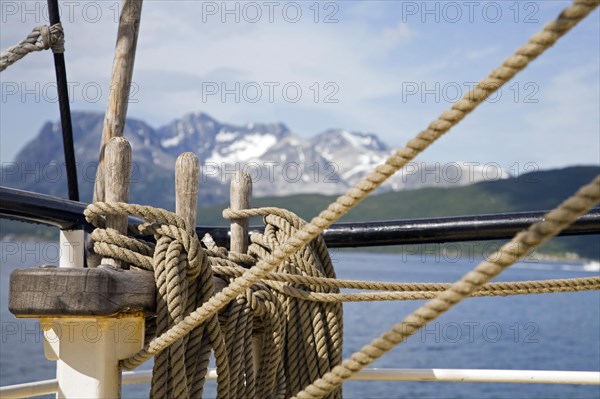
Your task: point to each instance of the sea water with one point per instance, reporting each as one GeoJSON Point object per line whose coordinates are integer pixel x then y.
{"type": "Point", "coordinates": [537, 332]}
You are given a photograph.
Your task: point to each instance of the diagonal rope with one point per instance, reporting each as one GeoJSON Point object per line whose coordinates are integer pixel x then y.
{"type": "Point", "coordinates": [542, 287]}
{"type": "Point", "coordinates": [537, 44]}
{"type": "Point", "coordinates": [554, 221]}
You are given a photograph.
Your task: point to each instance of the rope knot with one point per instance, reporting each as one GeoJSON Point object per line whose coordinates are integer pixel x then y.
{"type": "Point", "coordinates": [183, 283]}
{"type": "Point", "coordinates": [46, 39]}
{"type": "Point", "coordinates": [166, 227]}
{"type": "Point", "coordinates": [55, 38]}
{"type": "Point", "coordinates": [50, 37]}
{"type": "Point", "coordinates": [40, 38]}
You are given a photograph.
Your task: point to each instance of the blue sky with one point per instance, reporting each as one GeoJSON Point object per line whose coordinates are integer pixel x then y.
{"type": "Point", "coordinates": [388, 67]}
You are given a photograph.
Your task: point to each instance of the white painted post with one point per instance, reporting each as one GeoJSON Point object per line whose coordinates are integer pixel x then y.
{"type": "Point", "coordinates": [72, 246]}
{"type": "Point", "coordinates": [88, 351]}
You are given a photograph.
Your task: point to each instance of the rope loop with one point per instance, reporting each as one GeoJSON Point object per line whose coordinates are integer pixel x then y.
{"type": "Point", "coordinates": [159, 223]}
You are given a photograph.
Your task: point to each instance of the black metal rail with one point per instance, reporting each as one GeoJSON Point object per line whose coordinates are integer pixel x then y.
{"type": "Point", "coordinates": [65, 214]}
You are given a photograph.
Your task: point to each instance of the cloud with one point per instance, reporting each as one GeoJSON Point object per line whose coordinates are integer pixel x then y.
{"type": "Point", "coordinates": [398, 34]}
{"type": "Point", "coordinates": [568, 119]}
{"type": "Point", "coordinates": [364, 61]}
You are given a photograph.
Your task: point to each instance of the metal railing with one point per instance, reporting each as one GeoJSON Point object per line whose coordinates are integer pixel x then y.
{"type": "Point", "coordinates": [432, 375]}
{"type": "Point", "coordinates": [68, 215]}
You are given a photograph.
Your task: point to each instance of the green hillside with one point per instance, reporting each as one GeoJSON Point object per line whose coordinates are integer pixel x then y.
{"type": "Point", "coordinates": [530, 192]}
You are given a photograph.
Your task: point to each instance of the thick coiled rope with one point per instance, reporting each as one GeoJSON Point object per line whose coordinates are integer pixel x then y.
{"type": "Point", "coordinates": [183, 280]}
{"type": "Point", "coordinates": [311, 333]}
{"type": "Point", "coordinates": [307, 355]}
{"type": "Point", "coordinates": [299, 340]}
{"type": "Point", "coordinates": [498, 77]}
{"type": "Point", "coordinates": [40, 38]}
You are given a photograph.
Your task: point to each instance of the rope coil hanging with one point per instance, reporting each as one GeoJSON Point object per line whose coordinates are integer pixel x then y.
{"type": "Point", "coordinates": [183, 281]}
{"type": "Point", "coordinates": [307, 356]}
{"type": "Point", "coordinates": [40, 38]}
{"type": "Point", "coordinates": [300, 340]}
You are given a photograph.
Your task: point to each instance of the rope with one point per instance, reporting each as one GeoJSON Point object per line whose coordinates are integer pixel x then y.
{"type": "Point", "coordinates": [404, 291]}
{"type": "Point", "coordinates": [307, 335]}
{"type": "Point", "coordinates": [555, 221]}
{"type": "Point", "coordinates": [300, 340]}
{"type": "Point", "coordinates": [509, 68]}
{"type": "Point", "coordinates": [40, 38]}
{"type": "Point", "coordinates": [539, 287]}
{"type": "Point", "coordinates": [183, 281]}
{"type": "Point", "coordinates": [313, 336]}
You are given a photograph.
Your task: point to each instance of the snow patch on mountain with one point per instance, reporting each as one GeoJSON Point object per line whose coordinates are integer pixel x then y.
{"type": "Point", "coordinates": [171, 142]}
{"type": "Point", "coordinates": [357, 140]}
{"type": "Point", "coordinates": [224, 136]}
{"type": "Point", "coordinates": [250, 146]}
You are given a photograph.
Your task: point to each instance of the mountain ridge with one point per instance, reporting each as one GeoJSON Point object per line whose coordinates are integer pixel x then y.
{"type": "Point", "coordinates": [279, 161]}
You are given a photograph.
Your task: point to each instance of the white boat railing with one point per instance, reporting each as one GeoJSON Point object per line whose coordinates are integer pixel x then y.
{"type": "Point", "coordinates": [37, 388]}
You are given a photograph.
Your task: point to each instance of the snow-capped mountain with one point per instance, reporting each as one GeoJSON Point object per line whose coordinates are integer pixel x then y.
{"type": "Point", "coordinates": [279, 161]}
{"type": "Point", "coordinates": [218, 142]}
{"type": "Point", "coordinates": [354, 154]}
